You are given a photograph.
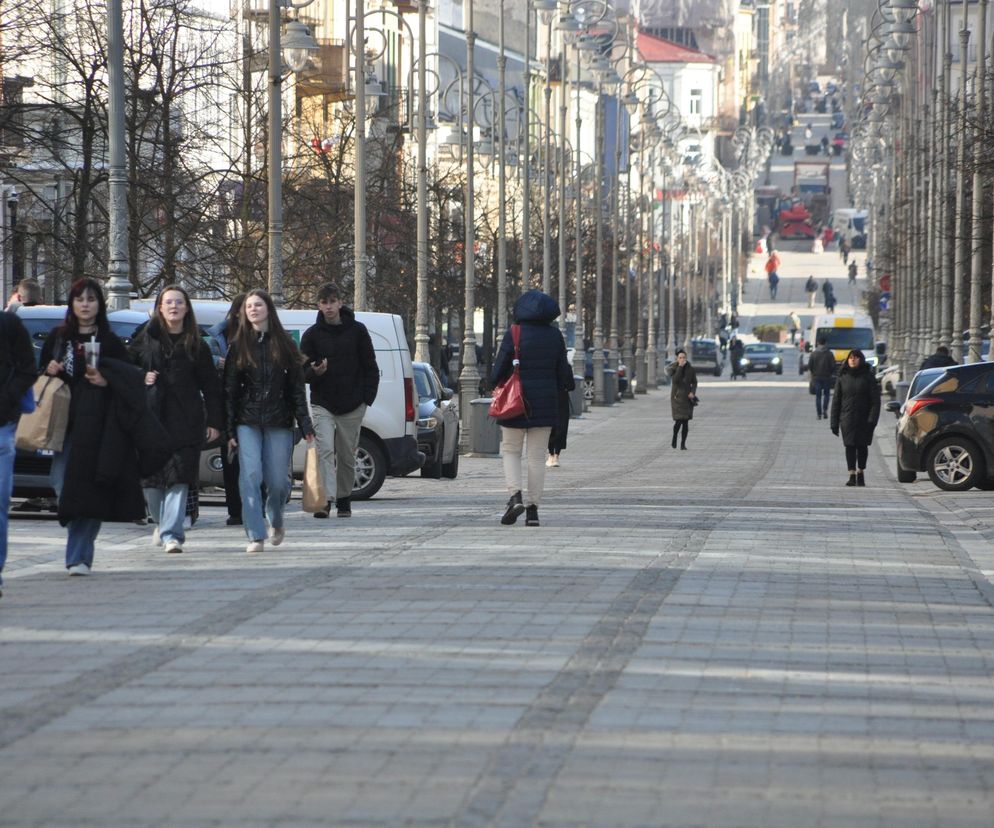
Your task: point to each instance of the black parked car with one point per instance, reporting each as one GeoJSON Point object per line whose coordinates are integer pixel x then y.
{"type": "Point", "coordinates": [438, 424]}
{"type": "Point", "coordinates": [947, 429]}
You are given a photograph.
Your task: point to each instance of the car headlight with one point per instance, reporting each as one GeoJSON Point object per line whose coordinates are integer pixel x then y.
{"type": "Point", "coordinates": [745, 361]}
{"type": "Point", "coordinates": [775, 361]}
{"type": "Point", "coordinates": [427, 422]}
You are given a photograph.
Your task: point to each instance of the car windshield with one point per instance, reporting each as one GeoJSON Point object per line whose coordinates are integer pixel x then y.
{"type": "Point", "coordinates": [923, 379]}
{"type": "Point", "coordinates": [847, 339]}
{"type": "Point", "coordinates": [761, 349]}
{"type": "Point", "coordinates": [702, 348]}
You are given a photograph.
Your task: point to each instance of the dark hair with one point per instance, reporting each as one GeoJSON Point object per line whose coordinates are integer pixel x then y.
{"type": "Point", "coordinates": [857, 352]}
{"type": "Point", "coordinates": [70, 328]}
{"type": "Point", "coordinates": [680, 351]}
{"type": "Point", "coordinates": [328, 291]}
{"type": "Point", "coordinates": [190, 338]}
{"type": "Point", "coordinates": [282, 348]}
{"type": "Point", "coordinates": [942, 349]}
{"type": "Point", "coordinates": [231, 317]}
{"type": "Point", "coordinates": [822, 340]}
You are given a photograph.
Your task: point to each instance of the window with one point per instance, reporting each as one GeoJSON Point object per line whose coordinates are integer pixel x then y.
{"type": "Point", "coordinates": [695, 101]}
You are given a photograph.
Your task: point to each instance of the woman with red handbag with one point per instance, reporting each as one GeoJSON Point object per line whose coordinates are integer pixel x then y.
{"type": "Point", "coordinates": [533, 355]}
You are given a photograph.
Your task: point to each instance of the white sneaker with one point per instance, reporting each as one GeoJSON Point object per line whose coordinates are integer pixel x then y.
{"type": "Point", "coordinates": [155, 537]}
{"type": "Point", "coordinates": [276, 535]}
{"type": "Point", "coordinates": [549, 462]}
{"type": "Point", "coordinates": [254, 546]}
{"type": "Point", "coordinates": [555, 463]}
{"type": "Point", "coordinates": [79, 569]}
{"type": "Point", "coordinates": [174, 546]}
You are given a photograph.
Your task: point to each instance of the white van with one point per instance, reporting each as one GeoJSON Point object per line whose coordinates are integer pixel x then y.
{"type": "Point", "coordinates": [388, 443]}
{"type": "Point", "coordinates": [842, 333]}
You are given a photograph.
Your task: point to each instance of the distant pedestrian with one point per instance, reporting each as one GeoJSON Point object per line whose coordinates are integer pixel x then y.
{"type": "Point", "coordinates": [544, 373]}
{"type": "Point", "coordinates": [774, 279]}
{"type": "Point", "coordinates": [27, 293]}
{"type": "Point", "coordinates": [772, 276]}
{"type": "Point", "coordinates": [108, 408]}
{"type": "Point", "coordinates": [817, 246]}
{"type": "Point", "coordinates": [821, 364]}
{"type": "Point", "coordinates": [683, 396]}
{"type": "Point", "coordinates": [219, 340]}
{"type": "Point", "coordinates": [844, 249]}
{"type": "Point", "coordinates": [852, 272]}
{"type": "Point", "coordinates": [180, 376]}
{"type": "Point", "coordinates": [829, 294]}
{"type": "Point", "coordinates": [824, 145]}
{"type": "Point", "coordinates": [17, 366]}
{"type": "Point", "coordinates": [855, 411]}
{"type": "Point", "coordinates": [940, 359]}
{"type": "Point", "coordinates": [263, 396]}
{"type": "Point", "coordinates": [794, 325]}
{"type": "Point", "coordinates": [811, 288]}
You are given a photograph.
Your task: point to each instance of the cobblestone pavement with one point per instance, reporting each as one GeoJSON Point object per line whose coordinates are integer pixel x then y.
{"type": "Point", "coordinates": [724, 636]}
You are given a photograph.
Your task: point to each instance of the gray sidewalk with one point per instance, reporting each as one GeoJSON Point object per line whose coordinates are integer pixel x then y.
{"type": "Point", "coordinates": [719, 637]}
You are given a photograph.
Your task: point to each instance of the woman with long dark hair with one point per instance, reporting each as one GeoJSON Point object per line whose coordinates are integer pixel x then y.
{"type": "Point", "coordinates": [264, 394]}
{"type": "Point", "coordinates": [855, 411]}
{"type": "Point", "coordinates": [110, 439]}
{"type": "Point", "coordinates": [185, 394]}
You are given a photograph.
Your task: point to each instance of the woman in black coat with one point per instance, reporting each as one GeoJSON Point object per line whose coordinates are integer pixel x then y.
{"type": "Point", "coordinates": [855, 411]}
{"type": "Point", "coordinates": [544, 373]}
{"type": "Point", "coordinates": [111, 439]}
{"type": "Point", "coordinates": [185, 394]}
{"type": "Point", "coordinates": [683, 396]}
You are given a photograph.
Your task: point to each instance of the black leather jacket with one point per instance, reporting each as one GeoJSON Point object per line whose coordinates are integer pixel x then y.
{"type": "Point", "coordinates": [264, 396]}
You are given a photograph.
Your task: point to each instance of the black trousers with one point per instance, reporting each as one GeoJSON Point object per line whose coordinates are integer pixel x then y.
{"type": "Point", "coordinates": [682, 427]}
{"type": "Point", "coordinates": [856, 457]}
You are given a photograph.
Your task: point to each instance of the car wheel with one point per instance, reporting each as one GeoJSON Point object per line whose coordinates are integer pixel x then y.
{"type": "Point", "coordinates": [433, 465]}
{"type": "Point", "coordinates": [370, 469]}
{"type": "Point", "coordinates": [588, 390]}
{"type": "Point", "coordinates": [451, 470]}
{"type": "Point", "coordinates": [954, 464]}
{"type": "Point", "coordinates": [905, 476]}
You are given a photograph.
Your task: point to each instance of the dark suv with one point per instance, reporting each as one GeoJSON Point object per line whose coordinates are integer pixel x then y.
{"type": "Point", "coordinates": [947, 430]}
{"type": "Point", "coordinates": [705, 355]}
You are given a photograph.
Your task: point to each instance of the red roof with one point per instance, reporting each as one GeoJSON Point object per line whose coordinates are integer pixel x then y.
{"type": "Point", "coordinates": [658, 50]}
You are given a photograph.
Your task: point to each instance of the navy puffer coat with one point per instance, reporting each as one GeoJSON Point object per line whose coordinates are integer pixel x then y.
{"type": "Point", "coordinates": [544, 370]}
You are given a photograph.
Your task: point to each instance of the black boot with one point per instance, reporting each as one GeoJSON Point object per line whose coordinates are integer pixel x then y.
{"type": "Point", "coordinates": [860, 480]}
{"type": "Point", "coordinates": [531, 516]}
{"type": "Point", "coordinates": [674, 441]}
{"type": "Point", "coordinates": [852, 479]}
{"type": "Point", "coordinates": [344, 507]}
{"type": "Point", "coordinates": [514, 508]}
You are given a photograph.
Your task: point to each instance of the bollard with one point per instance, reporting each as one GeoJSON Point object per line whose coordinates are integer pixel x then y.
{"type": "Point", "coordinates": [576, 400]}
{"type": "Point", "coordinates": [610, 386]}
{"type": "Point", "coordinates": [484, 432]}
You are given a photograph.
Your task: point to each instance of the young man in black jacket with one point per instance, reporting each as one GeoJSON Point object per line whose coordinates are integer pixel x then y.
{"type": "Point", "coordinates": [18, 372]}
{"type": "Point", "coordinates": [343, 375]}
{"type": "Point", "coordinates": [822, 368]}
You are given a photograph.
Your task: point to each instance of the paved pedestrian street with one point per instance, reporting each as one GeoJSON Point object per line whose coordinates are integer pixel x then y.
{"type": "Point", "coordinates": [724, 636]}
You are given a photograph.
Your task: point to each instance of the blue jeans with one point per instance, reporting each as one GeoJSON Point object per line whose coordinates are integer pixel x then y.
{"type": "Point", "coordinates": [263, 457]}
{"type": "Point", "coordinates": [823, 390]}
{"type": "Point", "coordinates": [6, 486]}
{"type": "Point", "coordinates": [82, 531]}
{"type": "Point", "coordinates": [168, 508]}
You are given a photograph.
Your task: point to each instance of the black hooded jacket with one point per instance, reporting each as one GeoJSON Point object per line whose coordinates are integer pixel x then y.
{"type": "Point", "coordinates": [353, 376]}
{"type": "Point", "coordinates": [17, 366]}
{"type": "Point", "coordinates": [544, 369]}
{"type": "Point", "coordinates": [856, 405]}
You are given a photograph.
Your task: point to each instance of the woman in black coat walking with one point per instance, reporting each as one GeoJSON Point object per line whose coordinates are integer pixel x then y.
{"type": "Point", "coordinates": [683, 396]}
{"type": "Point", "coordinates": [855, 411]}
{"type": "Point", "coordinates": [544, 373]}
{"type": "Point", "coordinates": [185, 394]}
{"type": "Point", "coordinates": [111, 438]}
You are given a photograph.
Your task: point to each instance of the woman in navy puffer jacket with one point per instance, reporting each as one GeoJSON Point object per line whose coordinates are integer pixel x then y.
{"type": "Point", "coordinates": [544, 373]}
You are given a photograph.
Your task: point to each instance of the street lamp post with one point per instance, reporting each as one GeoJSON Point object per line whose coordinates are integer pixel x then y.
{"type": "Point", "coordinates": [119, 282]}
{"type": "Point", "coordinates": [978, 218]}
{"type": "Point", "coordinates": [421, 351]}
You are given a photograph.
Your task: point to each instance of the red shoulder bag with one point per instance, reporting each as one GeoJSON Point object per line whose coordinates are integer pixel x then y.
{"type": "Point", "coordinates": [508, 399]}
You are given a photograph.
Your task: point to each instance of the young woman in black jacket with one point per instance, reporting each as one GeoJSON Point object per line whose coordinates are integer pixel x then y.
{"type": "Point", "coordinates": [186, 396]}
{"type": "Point", "coordinates": [95, 475]}
{"type": "Point", "coordinates": [264, 394]}
{"type": "Point", "coordinates": [855, 411]}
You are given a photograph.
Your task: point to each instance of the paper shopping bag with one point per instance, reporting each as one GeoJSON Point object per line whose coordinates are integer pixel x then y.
{"type": "Point", "coordinates": [314, 495]}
